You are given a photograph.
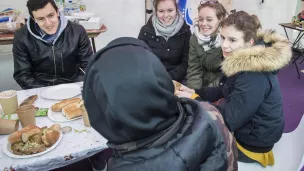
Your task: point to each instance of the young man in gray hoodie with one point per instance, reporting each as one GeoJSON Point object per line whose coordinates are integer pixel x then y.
{"type": "Point", "coordinates": [49, 49]}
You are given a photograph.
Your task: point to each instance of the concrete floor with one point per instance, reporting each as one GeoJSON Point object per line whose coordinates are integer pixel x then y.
{"type": "Point", "coordinates": [7, 81]}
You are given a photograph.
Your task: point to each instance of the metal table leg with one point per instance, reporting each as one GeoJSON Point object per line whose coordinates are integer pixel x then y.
{"type": "Point", "coordinates": [300, 35]}
{"type": "Point", "coordinates": [295, 62]}
{"type": "Point", "coordinates": [286, 33]}
{"type": "Point", "coordinates": [93, 44]}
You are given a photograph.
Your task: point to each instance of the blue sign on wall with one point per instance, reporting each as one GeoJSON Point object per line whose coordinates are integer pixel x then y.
{"type": "Point", "coordinates": [182, 5]}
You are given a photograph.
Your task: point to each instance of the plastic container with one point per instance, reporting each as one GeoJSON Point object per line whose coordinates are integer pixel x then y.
{"type": "Point", "coordinates": [60, 5]}
{"type": "Point", "coordinates": [68, 8]}
{"type": "Point", "coordinates": [82, 6]}
{"type": "Point", "coordinates": [76, 6]}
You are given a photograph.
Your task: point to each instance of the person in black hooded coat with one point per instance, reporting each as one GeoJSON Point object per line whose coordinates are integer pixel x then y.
{"type": "Point", "coordinates": [130, 101]}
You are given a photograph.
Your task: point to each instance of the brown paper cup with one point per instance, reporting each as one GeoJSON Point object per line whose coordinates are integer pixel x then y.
{"type": "Point", "coordinates": [26, 115]}
{"type": "Point", "coordinates": [8, 126]}
{"type": "Point", "coordinates": [8, 101]}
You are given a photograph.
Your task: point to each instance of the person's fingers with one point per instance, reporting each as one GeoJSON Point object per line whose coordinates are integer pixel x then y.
{"type": "Point", "coordinates": [177, 92]}
{"type": "Point", "coordinates": [183, 94]}
{"type": "Point", "coordinates": [184, 88]}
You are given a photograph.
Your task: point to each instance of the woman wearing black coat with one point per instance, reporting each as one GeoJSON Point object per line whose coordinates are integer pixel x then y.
{"type": "Point", "coordinates": [167, 34]}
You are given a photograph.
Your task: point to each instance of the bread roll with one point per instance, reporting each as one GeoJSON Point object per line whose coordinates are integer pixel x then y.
{"type": "Point", "coordinates": [27, 134]}
{"type": "Point", "coordinates": [56, 127]}
{"type": "Point", "coordinates": [17, 136]}
{"type": "Point", "coordinates": [72, 111]}
{"type": "Point", "coordinates": [57, 107]}
{"type": "Point", "coordinates": [29, 127]}
{"type": "Point", "coordinates": [50, 137]}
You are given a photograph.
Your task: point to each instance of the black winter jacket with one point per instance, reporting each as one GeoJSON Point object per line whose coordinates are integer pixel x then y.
{"type": "Point", "coordinates": [253, 107]}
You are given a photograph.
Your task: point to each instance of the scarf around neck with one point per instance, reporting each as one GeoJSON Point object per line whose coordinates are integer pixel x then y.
{"type": "Point", "coordinates": [207, 42]}
{"type": "Point", "coordinates": [167, 31]}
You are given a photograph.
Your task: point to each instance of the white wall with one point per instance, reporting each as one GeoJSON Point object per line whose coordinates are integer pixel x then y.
{"type": "Point", "coordinates": [122, 17]}
{"type": "Point", "coordinates": [270, 13]}
{"type": "Point", "coordinates": [125, 17]}
{"type": "Point", "coordinates": [16, 4]}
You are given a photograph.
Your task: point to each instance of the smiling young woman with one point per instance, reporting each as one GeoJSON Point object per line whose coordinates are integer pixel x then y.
{"type": "Point", "coordinates": [205, 52]}
{"type": "Point", "coordinates": [167, 34]}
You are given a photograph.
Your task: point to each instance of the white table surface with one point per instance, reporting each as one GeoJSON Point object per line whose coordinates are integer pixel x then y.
{"type": "Point", "coordinates": [73, 147]}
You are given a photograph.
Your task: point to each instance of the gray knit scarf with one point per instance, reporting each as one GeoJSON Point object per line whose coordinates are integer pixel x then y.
{"type": "Point", "coordinates": [167, 31]}
{"type": "Point", "coordinates": [207, 42]}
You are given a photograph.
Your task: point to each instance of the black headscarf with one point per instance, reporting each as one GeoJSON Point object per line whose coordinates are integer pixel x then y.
{"type": "Point", "coordinates": [129, 96]}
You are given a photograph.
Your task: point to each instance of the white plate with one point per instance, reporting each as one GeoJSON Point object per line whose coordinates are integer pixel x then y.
{"type": "Point", "coordinates": [7, 149]}
{"type": "Point", "coordinates": [58, 116]}
{"type": "Point", "coordinates": [61, 92]}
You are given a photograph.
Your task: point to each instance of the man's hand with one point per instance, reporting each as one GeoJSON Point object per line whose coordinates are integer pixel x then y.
{"type": "Point", "coordinates": [184, 91]}
{"type": "Point", "coordinates": [187, 89]}
{"type": "Point", "coordinates": [183, 94]}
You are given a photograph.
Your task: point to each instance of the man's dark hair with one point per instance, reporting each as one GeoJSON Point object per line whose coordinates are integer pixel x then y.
{"type": "Point", "coordinates": [34, 5]}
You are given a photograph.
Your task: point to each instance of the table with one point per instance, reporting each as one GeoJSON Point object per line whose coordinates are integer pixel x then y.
{"type": "Point", "coordinates": [300, 35]}
{"type": "Point", "coordinates": [73, 147]}
{"type": "Point", "coordinates": [293, 27]}
{"type": "Point", "coordinates": [6, 39]}
{"type": "Point", "coordinates": [94, 33]}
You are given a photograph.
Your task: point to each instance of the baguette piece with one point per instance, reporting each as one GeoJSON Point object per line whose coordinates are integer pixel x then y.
{"type": "Point", "coordinates": [15, 137]}
{"type": "Point", "coordinates": [71, 111]}
{"type": "Point", "coordinates": [57, 107]}
{"type": "Point", "coordinates": [56, 127]}
{"type": "Point", "coordinates": [29, 101]}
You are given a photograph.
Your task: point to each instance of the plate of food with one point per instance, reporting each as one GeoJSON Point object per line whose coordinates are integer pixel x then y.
{"type": "Point", "coordinates": [66, 110]}
{"type": "Point", "coordinates": [32, 141]}
{"type": "Point", "coordinates": [61, 92]}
